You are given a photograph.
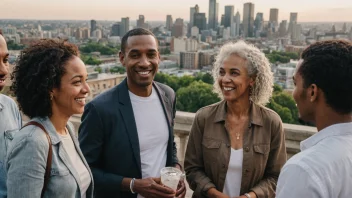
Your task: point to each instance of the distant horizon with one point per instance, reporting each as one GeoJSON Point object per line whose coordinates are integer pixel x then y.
{"type": "Point", "coordinates": [88, 20]}
{"type": "Point", "coordinates": [156, 10]}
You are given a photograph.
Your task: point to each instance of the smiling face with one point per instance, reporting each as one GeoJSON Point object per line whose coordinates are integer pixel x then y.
{"type": "Point", "coordinates": [233, 79]}
{"type": "Point", "coordinates": [70, 98]}
{"type": "Point", "coordinates": [141, 59]}
{"type": "Point", "coordinates": [4, 62]}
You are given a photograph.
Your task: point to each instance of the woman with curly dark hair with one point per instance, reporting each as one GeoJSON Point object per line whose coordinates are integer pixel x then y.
{"type": "Point", "coordinates": [44, 158]}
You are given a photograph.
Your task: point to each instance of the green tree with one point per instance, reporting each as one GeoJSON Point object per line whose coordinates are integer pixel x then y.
{"type": "Point", "coordinates": [120, 70]}
{"type": "Point", "coordinates": [284, 113]}
{"type": "Point", "coordinates": [89, 60]}
{"type": "Point", "coordinates": [286, 100]}
{"type": "Point", "coordinates": [96, 47]}
{"type": "Point", "coordinates": [98, 69]}
{"type": "Point", "coordinates": [195, 96]}
{"type": "Point", "coordinates": [207, 78]}
{"type": "Point", "coordinates": [277, 88]}
{"type": "Point", "coordinates": [11, 45]}
{"type": "Point", "coordinates": [184, 81]}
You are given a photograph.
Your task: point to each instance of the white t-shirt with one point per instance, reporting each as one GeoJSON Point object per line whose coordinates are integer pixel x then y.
{"type": "Point", "coordinates": [153, 133]}
{"type": "Point", "coordinates": [233, 179]}
{"type": "Point", "coordinates": [77, 163]}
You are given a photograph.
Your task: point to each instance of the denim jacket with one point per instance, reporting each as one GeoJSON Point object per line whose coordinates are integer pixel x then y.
{"type": "Point", "coordinates": [10, 122]}
{"type": "Point", "coordinates": [26, 162]}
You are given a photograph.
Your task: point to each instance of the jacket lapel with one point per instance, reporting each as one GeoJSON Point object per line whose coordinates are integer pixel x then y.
{"type": "Point", "coordinates": [127, 115]}
{"type": "Point", "coordinates": [56, 140]}
{"type": "Point", "coordinates": [75, 142]}
{"type": "Point", "coordinates": [66, 160]}
{"type": "Point", "coordinates": [165, 103]}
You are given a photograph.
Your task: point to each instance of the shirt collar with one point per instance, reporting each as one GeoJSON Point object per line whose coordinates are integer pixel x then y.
{"type": "Point", "coordinates": [1, 103]}
{"type": "Point", "coordinates": [333, 130]}
{"type": "Point", "coordinates": [255, 113]}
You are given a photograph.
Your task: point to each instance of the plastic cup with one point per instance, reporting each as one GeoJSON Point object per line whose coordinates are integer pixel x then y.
{"type": "Point", "coordinates": [170, 177]}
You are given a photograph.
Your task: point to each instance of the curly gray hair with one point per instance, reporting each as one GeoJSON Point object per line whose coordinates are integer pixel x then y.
{"type": "Point", "coordinates": [257, 65]}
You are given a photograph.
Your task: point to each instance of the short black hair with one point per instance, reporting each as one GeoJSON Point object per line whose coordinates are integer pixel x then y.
{"type": "Point", "coordinates": [135, 32]}
{"type": "Point", "coordinates": [328, 64]}
{"type": "Point", "coordinates": [38, 70]}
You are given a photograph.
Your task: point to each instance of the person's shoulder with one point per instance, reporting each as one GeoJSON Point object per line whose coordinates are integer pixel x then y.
{"type": "Point", "coordinates": [268, 114]}
{"type": "Point", "coordinates": [106, 97]}
{"type": "Point", "coordinates": [165, 88]}
{"type": "Point", "coordinates": [210, 110]}
{"type": "Point", "coordinates": [7, 101]}
{"type": "Point", "coordinates": [31, 137]}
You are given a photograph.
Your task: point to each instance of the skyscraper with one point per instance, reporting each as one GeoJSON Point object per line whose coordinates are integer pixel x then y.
{"type": "Point", "coordinates": [248, 19]}
{"type": "Point", "coordinates": [193, 10]}
{"type": "Point", "coordinates": [140, 21]}
{"type": "Point", "coordinates": [344, 28]}
{"type": "Point", "coordinates": [274, 17]}
{"type": "Point", "coordinates": [282, 28]}
{"type": "Point", "coordinates": [237, 22]}
{"type": "Point", "coordinates": [178, 28]}
{"type": "Point", "coordinates": [213, 14]}
{"type": "Point", "coordinates": [258, 23]}
{"type": "Point", "coordinates": [229, 13]}
{"type": "Point", "coordinates": [293, 20]}
{"type": "Point", "coordinates": [125, 26]}
{"type": "Point", "coordinates": [115, 29]}
{"type": "Point", "coordinates": [296, 32]}
{"type": "Point", "coordinates": [169, 22]}
{"type": "Point", "coordinates": [200, 21]}
{"type": "Point", "coordinates": [93, 26]}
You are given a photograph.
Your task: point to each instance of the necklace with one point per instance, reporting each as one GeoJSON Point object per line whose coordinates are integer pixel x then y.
{"type": "Point", "coordinates": [237, 135]}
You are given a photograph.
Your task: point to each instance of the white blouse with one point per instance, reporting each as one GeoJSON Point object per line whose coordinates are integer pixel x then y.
{"type": "Point", "coordinates": [233, 179]}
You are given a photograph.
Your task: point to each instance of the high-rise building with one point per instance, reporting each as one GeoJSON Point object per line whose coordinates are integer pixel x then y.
{"type": "Point", "coordinates": [86, 33]}
{"type": "Point", "coordinates": [213, 14]}
{"type": "Point", "coordinates": [258, 23]}
{"type": "Point", "coordinates": [78, 33]}
{"type": "Point", "coordinates": [350, 34]}
{"type": "Point", "coordinates": [293, 20]}
{"type": "Point", "coordinates": [115, 29]}
{"type": "Point", "coordinates": [193, 10]}
{"type": "Point", "coordinates": [248, 19]}
{"type": "Point", "coordinates": [344, 28]}
{"type": "Point", "coordinates": [296, 32]}
{"type": "Point", "coordinates": [97, 34]}
{"type": "Point", "coordinates": [189, 60]}
{"type": "Point", "coordinates": [125, 26]}
{"type": "Point", "coordinates": [229, 13]}
{"type": "Point", "coordinates": [140, 21]}
{"type": "Point", "coordinates": [236, 24]}
{"type": "Point", "coordinates": [274, 17]}
{"type": "Point", "coordinates": [93, 26]}
{"type": "Point", "coordinates": [178, 29]}
{"type": "Point", "coordinates": [200, 21]}
{"type": "Point", "coordinates": [195, 31]}
{"type": "Point", "coordinates": [169, 22]}
{"type": "Point", "coordinates": [282, 28]}
{"type": "Point", "coordinates": [222, 20]}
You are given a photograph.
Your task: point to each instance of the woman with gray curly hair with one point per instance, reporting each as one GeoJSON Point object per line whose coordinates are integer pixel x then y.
{"type": "Point", "coordinates": [237, 147]}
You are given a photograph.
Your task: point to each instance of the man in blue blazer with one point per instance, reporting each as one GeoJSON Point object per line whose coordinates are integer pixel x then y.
{"type": "Point", "coordinates": [126, 133]}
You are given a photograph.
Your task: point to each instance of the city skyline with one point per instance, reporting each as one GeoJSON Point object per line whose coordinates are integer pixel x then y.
{"type": "Point", "coordinates": [308, 11]}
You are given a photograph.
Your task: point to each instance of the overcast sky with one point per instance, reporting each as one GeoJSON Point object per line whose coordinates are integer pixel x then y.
{"type": "Point", "coordinates": [156, 10]}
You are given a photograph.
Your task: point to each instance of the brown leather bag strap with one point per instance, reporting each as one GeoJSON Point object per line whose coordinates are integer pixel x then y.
{"type": "Point", "coordinates": [50, 154]}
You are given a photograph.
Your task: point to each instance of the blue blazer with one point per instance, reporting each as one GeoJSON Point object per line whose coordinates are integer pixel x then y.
{"type": "Point", "coordinates": [109, 139]}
